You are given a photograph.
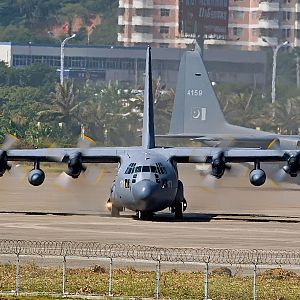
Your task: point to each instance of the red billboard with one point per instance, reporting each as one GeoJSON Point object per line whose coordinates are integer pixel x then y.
{"type": "Point", "coordinates": [204, 16]}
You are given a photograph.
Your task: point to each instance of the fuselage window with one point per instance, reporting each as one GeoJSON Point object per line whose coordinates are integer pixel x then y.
{"type": "Point", "coordinates": [164, 184]}
{"type": "Point", "coordinates": [126, 183]}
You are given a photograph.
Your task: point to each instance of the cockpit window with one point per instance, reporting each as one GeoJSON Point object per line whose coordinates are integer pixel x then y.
{"type": "Point", "coordinates": [146, 169]}
{"type": "Point", "coordinates": [161, 169]}
{"type": "Point", "coordinates": [130, 168]}
{"type": "Point", "coordinates": [138, 169]}
{"type": "Point", "coordinates": [153, 169]}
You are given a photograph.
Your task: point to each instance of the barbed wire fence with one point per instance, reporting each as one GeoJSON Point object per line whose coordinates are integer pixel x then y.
{"type": "Point", "coordinates": [205, 256]}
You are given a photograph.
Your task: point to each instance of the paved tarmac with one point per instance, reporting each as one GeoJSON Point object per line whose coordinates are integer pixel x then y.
{"type": "Point", "coordinates": [234, 215]}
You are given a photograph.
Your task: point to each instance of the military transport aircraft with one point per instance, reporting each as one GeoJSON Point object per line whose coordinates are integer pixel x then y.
{"type": "Point", "coordinates": [147, 178]}
{"type": "Point", "coordinates": [197, 113]}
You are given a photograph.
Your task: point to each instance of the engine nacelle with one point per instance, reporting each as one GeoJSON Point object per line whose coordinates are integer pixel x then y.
{"type": "Point", "coordinates": [257, 177]}
{"type": "Point", "coordinates": [293, 166]}
{"type": "Point", "coordinates": [218, 167]}
{"type": "Point", "coordinates": [36, 177]}
{"type": "Point", "coordinates": [75, 166]}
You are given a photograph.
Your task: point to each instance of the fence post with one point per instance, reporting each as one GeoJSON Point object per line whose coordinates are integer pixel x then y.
{"type": "Point", "coordinates": [206, 282]}
{"type": "Point", "coordinates": [254, 281]}
{"type": "Point", "coordinates": [110, 277]}
{"type": "Point", "coordinates": [17, 274]}
{"type": "Point", "coordinates": [158, 266]}
{"type": "Point", "coordinates": [64, 276]}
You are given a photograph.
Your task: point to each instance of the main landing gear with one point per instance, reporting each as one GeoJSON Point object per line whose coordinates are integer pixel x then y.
{"type": "Point", "coordinates": [180, 204]}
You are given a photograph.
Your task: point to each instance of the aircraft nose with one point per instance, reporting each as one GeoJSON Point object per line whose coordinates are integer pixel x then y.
{"type": "Point", "coordinates": [143, 190]}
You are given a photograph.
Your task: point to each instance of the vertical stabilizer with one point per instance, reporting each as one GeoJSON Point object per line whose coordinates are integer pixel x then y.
{"type": "Point", "coordinates": [148, 140]}
{"type": "Point", "coordinates": [196, 108]}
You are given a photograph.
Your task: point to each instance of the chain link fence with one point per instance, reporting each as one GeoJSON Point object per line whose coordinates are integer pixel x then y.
{"type": "Point", "coordinates": [135, 252]}
{"type": "Point", "coordinates": [157, 255]}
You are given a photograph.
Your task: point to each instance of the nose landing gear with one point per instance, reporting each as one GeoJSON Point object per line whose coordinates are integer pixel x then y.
{"type": "Point", "coordinates": [144, 215]}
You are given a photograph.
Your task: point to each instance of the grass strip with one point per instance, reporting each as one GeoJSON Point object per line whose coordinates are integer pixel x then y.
{"type": "Point", "coordinates": [272, 284]}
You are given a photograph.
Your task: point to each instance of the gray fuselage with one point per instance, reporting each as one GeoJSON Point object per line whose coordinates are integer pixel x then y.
{"type": "Point", "coordinates": [147, 181]}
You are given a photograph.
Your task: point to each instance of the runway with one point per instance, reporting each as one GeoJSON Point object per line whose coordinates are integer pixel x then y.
{"type": "Point", "coordinates": [235, 215]}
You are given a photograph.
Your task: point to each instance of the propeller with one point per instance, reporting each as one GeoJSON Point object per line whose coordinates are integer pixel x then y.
{"type": "Point", "coordinates": [92, 174]}
{"type": "Point", "coordinates": [9, 141]}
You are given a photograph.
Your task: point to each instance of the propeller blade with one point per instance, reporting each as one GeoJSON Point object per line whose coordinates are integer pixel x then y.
{"type": "Point", "coordinates": [280, 176]}
{"type": "Point", "coordinates": [93, 174]}
{"type": "Point", "coordinates": [9, 141]}
{"type": "Point", "coordinates": [62, 182]}
{"type": "Point", "coordinates": [17, 172]}
{"type": "Point", "coordinates": [210, 182]}
{"type": "Point", "coordinates": [85, 142]}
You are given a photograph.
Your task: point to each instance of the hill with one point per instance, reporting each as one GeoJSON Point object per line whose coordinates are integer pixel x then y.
{"type": "Point", "coordinates": [40, 21]}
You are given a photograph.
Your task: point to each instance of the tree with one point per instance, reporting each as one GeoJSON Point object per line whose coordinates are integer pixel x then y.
{"type": "Point", "coordinates": [63, 108]}
{"type": "Point", "coordinates": [111, 115]}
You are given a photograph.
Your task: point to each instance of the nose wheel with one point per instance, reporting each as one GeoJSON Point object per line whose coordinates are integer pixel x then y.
{"type": "Point", "coordinates": [144, 215]}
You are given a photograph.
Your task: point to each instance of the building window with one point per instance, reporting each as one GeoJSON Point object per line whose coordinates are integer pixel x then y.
{"type": "Point", "coordinates": [164, 12]}
{"type": "Point", "coordinates": [164, 29]}
{"type": "Point", "coordinates": [254, 15]}
{"type": "Point", "coordinates": [142, 29]}
{"type": "Point", "coordinates": [237, 31]}
{"type": "Point", "coordinates": [238, 14]}
{"type": "Point", "coordinates": [143, 12]}
{"type": "Point", "coordinates": [286, 15]}
{"type": "Point", "coordinates": [287, 32]}
{"type": "Point", "coordinates": [254, 31]}
{"type": "Point", "coordinates": [121, 28]}
{"type": "Point", "coordinates": [163, 45]}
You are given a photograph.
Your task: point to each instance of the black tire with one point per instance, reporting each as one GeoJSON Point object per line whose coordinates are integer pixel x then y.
{"type": "Point", "coordinates": [178, 211]}
{"type": "Point", "coordinates": [145, 215]}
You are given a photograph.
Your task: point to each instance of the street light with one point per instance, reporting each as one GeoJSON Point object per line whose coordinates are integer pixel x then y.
{"type": "Point", "coordinates": [275, 51]}
{"type": "Point", "coordinates": [62, 57]}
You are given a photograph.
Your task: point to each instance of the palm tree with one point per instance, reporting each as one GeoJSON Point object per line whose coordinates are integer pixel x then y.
{"type": "Point", "coordinates": [287, 116]}
{"type": "Point", "coordinates": [111, 115]}
{"type": "Point", "coordinates": [64, 107]}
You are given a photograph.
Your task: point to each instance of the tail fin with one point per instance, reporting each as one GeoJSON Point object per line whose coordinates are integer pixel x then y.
{"type": "Point", "coordinates": [196, 108]}
{"type": "Point", "coordinates": [148, 137]}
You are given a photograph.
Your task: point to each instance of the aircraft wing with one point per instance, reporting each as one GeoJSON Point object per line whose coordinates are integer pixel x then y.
{"type": "Point", "coordinates": [90, 155]}
{"type": "Point", "coordinates": [234, 155]}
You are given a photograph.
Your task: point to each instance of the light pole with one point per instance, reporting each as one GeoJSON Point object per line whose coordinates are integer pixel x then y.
{"type": "Point", "coordinates": [297, 69]}
{"type": "Point", "coordinates": [275, 51]}
{"type": "Point", "coordinates": [62, 57]}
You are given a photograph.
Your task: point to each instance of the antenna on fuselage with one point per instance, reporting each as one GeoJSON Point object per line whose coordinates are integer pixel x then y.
{"type": "Point", "coordinates": [148, 137]}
